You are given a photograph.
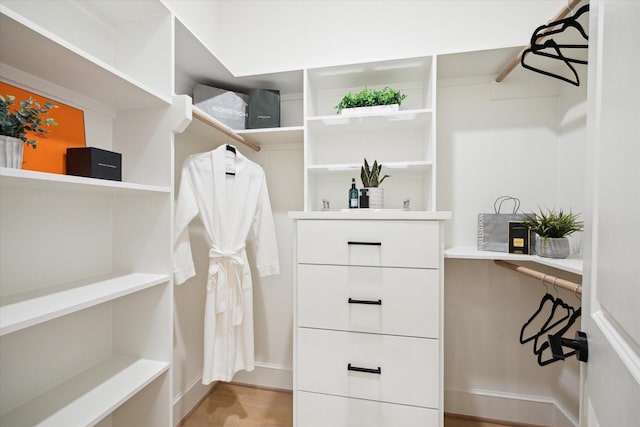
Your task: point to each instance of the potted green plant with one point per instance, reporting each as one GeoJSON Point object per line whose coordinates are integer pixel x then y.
{"type": "Point", "coordinates": [371, 180]}
{"type": "Point", "coordinates": [371, 100]}
{"type": "Point", "coordinates": [14, 125]}
{"type": "Point", "coordinates": [552, 228]}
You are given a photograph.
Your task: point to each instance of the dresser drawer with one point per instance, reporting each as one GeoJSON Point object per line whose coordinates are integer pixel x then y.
{"type": "Point", "coordinates": [397, 301]}
{"type": "Point", "coordinates": [372, 243]}
{"type": "Point", "coordinates": [408, 367]}
{"type": "Point", "coordinates": [321, 410]}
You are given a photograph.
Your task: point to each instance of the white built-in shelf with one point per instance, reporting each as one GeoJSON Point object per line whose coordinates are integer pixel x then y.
{"type": "Point", "coordinates": [274, 136]}
{"type": "Point", "coordinates": [20, 178]}
{"type": "Point", "coordinates": [373, 214]}
{"type": "Point", "coordinates": [91, 76]}
{"type": "Point", "coordinates": [262, 137]}
{"type": "Point", "coordinates": [402, 120]}
{"type": "Point", "coordinates": [24, 310]}
{"type": "Point", "coordinates": [571, 265]}
{"type": "Point", "coordinates": [88, 397]}
{"type": "Point", "coordinates": [371, 74]}
{"type": "Point", "coordinates": [396, 167]}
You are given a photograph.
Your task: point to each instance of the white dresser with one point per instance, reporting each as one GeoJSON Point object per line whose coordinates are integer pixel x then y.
{"type": "Point", "coordinates": [368, 319]}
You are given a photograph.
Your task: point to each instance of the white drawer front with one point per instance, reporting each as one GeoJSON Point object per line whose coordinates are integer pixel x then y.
{"type": "Point", "coordinates": [398, 301]}
{"type": "Point", "coordinates": [374, 243]}
{"type": "Point", "coordinates": [408, 366]}
{"type": "Point", "coordinates": [321, 410]}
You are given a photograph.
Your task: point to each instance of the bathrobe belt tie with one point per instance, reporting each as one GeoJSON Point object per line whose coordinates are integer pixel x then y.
{"type": "Point", "coordinates": [225, 280]}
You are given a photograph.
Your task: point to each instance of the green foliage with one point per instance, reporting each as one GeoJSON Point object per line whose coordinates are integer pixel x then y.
{"type": "Point", "coordinates": [26, 119]}
{"type": "Point", "coordinates": [371, 176]}
{"type": "Point", "coordinates": [553, 224]}
{"type": "Point", "coordinates": [370, 97]}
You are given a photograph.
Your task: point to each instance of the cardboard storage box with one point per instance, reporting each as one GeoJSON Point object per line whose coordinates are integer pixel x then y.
{"type": "Point", "coordinates": [93, 162]}
{"type": "Point", "coordinates": [226, 106]}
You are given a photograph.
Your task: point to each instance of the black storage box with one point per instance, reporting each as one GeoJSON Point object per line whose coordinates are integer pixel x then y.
{"type": "Point", "coordinates": [94, 162]}
{"type": "Point", "coordinates": [264, 109]}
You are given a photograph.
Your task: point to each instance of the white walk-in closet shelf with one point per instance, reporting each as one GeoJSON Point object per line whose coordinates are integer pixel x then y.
{"type": "Point", "coordinates": [403, 141]}
{"type": "Point", "coordinates": [85, 295]}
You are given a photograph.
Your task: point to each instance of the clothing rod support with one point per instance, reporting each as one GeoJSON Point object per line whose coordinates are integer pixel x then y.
{"type": "Point", "coordinates": [551, 280]}
{"type": "Point", "coordinates": [509, 68]}
{"type": "Point", "coordinates": [210, 121]}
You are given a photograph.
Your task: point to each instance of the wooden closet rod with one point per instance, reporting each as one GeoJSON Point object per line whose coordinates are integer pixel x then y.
{"type": "Point", "coordinates": [205, 118]}
{"type": "Point", "coordinates": [548, 279]}
{"type": "Point", "coordinates": [571, 4]}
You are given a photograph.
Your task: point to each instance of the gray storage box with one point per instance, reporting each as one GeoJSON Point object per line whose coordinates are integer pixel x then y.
{"type": "Point", "coordinates": [226, 106]}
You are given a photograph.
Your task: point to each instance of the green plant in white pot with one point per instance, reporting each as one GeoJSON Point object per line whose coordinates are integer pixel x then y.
{"type": "Point", "coordinates": [15, 124]}
{"type": "Point", "coordinates": [368, 100]}
{"type": "Point", "coordinates": [371, 180]}
{"type": "Point", "coordinates": [552, 229]}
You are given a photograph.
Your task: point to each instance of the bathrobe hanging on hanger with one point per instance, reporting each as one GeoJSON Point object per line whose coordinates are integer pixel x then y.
{"type": "Point", "coordinates": [231, 207]}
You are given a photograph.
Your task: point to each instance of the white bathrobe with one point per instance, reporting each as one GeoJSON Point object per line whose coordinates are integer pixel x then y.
{"type": "Point", "coordinates": [230, 208]}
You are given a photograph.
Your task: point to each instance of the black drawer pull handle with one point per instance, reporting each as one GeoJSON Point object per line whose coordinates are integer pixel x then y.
{"type": "Point", "coordinates": [364, 301]}
{"type": "Point", "coordinates": [367, 370]}
{"type": "Point", "coordinates": [365, 243]}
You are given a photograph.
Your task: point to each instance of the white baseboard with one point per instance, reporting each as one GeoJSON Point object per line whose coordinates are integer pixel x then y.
{"type": "Point", "coordinates": [516, 408]}
{"type": "Point", "coordinates": [267, 375]}
{"type": "Point", "coordinates": [184, 402]}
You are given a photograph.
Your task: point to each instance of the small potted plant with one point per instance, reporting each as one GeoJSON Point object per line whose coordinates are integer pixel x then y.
{"type": "Point", "coordinates": [372, 194]}
{"type": "Point", "coordinates": [371, 101]}
{"type": "Point", "coordinates": [15, 124]}
{"type": "Point", "coordinates": [552, 229]}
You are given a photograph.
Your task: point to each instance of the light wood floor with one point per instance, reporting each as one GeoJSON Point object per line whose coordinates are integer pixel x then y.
{"type": "Point", "coordinates": [234, 405]}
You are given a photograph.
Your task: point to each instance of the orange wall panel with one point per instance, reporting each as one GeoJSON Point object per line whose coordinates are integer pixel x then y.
{"type": "Point", "coordinates": [50, 156]}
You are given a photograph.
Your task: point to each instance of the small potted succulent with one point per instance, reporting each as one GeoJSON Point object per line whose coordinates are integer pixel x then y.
{"type": "Point", "coordinates": [15, 124]}
{"type": "Point", "coordinates": [372, 195]}
{"type": "Point", "coordinates": [371, 101]}
{"type": "Point", "coordinates": [552, 229]}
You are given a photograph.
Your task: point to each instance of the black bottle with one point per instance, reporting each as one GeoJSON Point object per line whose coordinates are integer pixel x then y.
{"type": "Point", "coordinates": [353, 194]}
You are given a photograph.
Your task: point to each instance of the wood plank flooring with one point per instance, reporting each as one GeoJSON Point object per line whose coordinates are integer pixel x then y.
{"type": "Point", "coordinates": [235, 405]}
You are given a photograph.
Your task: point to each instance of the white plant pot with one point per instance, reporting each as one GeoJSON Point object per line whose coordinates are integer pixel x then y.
{"type": "Point", "coordinates": [376, 197]}
{"type": "Point", "coordinates": [376, 109]}
{"type": "Point", "coordinates": [551, 247]}
{"type": "Point", "coordinates": [11, 152]}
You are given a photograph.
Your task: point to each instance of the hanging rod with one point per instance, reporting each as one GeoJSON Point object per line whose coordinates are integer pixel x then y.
{"type": "Point", "coordinates": [571, 4]}
{"type": "Point", "coordinates": [546, 278]}
{"type": "Point", "coordinates": [210, 121]}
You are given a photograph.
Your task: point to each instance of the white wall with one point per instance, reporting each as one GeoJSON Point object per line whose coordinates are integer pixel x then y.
{"type": "Point", "coordinates": [262, 36]}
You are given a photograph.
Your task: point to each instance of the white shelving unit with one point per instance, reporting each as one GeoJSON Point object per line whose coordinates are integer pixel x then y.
{"type": "Point", "coordinates": [196, 64]}
{"type": "Point", "coordinates": [404, 141]}
{"type": "Point", "coordinates": [571, 265]}
{"type": "Point", "coordinates": [85, 289]}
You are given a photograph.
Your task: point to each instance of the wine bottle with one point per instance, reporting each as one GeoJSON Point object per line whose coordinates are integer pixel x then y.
{"type": "Point", "coordinates": [353, 194]}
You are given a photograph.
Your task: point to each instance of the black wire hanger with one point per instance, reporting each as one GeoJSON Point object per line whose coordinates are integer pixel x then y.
{"type": "Point", "coordinates": [547, 297]}
{"type": "Point", "coordinates": [560, 26]}
{"type": "Point", "coordinates": [543, 48]}
{"type": "Point", "coordinates": [559, 55]}
{"type": "Point", "coordinates": [545, 345]}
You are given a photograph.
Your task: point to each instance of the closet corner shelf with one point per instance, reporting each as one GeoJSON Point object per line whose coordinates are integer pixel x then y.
{"type": "Point", "coordinates": [89, 397]}
{"type": "Point", "coordinates": [571, 265]}
{"type": "Point", "coordinates": [21, 178]}
{"type": "Point", "coordinates": [29, 309]}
